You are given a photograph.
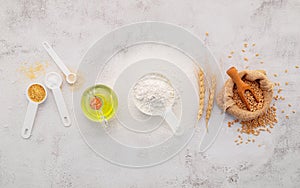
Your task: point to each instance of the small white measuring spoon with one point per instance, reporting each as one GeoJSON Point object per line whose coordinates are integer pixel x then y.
{"type": "Point", "coordinates": [53, 81]}
{"type": "Point", "coordinates": [31, 111]}
{"type": "Point", "coordinates": [166, 113]}
{"type": "Point", "coordinates": [70, 77]}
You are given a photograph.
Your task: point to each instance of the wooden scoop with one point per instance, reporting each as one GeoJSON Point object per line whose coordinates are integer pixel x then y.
{"type": "Point", "coordinates": [241, 86]}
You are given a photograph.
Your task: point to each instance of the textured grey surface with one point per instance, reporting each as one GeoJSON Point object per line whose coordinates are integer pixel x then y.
{"type": "Point", "coordinates": [58, 157]}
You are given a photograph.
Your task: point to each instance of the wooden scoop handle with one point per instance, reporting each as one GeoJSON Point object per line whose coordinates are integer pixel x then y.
{"type": "Point", "coordinates": [234, 75]}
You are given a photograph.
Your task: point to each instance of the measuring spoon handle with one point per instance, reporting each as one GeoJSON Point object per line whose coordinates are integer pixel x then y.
{"type": "Point", "coordinates": [62, 108]}
{"type": "Point", "coordinates": [56, 59]}
{"type": "Point", "coordinates": [173, 122]}
{"type": "Point", "coordinates": [29, 119]}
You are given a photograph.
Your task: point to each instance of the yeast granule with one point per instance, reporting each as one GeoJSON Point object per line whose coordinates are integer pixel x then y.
{"type": "Point", "coordinates": [36, 93]}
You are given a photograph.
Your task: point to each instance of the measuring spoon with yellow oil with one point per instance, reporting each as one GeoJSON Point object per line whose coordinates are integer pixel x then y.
{"type": "Point", "coordinates": [36, 94]}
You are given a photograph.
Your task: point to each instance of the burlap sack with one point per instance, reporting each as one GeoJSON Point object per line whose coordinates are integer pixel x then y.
{"type": "Point", "coordinates": [225, 101]}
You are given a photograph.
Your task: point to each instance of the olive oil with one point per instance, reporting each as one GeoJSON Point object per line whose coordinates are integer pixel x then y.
{"type": "Point", "coordinates": [99, 103]}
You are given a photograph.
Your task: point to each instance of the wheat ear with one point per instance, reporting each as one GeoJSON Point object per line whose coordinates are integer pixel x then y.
{"type": "Point", "coordinates": [210, 100]}
{"type": "Point", "coordinates": [201, 90]}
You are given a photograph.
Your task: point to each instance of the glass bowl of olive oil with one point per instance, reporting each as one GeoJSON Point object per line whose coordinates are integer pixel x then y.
{"type": "Point", "coordinates": [99, 103]}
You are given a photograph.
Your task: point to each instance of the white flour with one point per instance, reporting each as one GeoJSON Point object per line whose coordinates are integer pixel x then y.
{"type": "Point", "coordinates": [153, 93]}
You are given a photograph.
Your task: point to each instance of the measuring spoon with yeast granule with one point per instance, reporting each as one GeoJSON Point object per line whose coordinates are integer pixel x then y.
{"type": "Point", "coordinates": [36, 94]}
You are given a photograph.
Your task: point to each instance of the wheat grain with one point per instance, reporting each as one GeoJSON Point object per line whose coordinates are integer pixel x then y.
{"type": "Point", "coordinates": [201, 90]}
{"type": "Point", "coordinates": [210, 100]}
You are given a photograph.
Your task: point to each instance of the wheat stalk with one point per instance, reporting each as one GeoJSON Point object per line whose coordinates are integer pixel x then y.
{"type": "Point", "coordinates": [210, 100]}
{"type": "Point", "coordinates": [201, 90]}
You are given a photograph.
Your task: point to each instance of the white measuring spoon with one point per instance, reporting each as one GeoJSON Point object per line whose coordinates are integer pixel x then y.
{"type": "Point", "coordinates": [70, 77]}
{"type": "Point", "coordinates": [53, 81]}
{"type": "Point", "coordinates": [31, 112]}
{"type": "Point", "coordinates": [167, 113]}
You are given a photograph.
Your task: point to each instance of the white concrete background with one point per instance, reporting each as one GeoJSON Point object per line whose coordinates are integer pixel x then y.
{"type": "Point", "coordinates": [58, 157]}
